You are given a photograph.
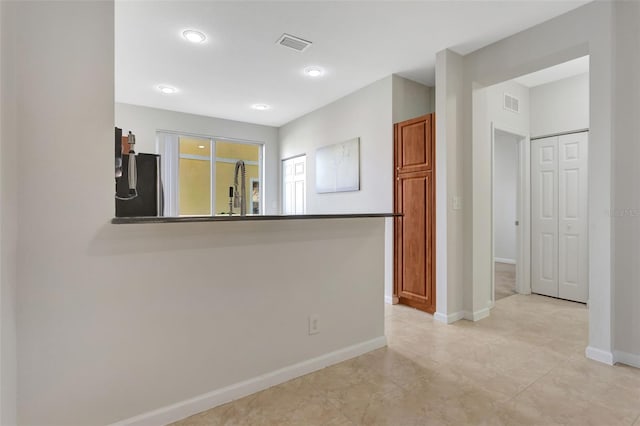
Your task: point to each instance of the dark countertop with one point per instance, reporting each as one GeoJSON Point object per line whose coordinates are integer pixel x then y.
{"type": "Point", "coordinates": [237, 218]}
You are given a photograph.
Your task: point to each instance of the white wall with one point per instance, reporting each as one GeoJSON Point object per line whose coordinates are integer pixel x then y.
{"type": "Point", "coordinates": [144, 122]}
{"type": "Point", "coordinates": [411, 99]}
{"type": "Point", "coordinates": [626, 197]}
{"type": "Point", "coordinates": [505, 180]}
{"type": "Point", "coordinates": [366, 114]}
{"type": "Point", "coordinates": [560, 106]}
{"type": "Point", "coordinates": [586, 30]}
{"type": "Point", "coordinates": [369, 114]}
{"type": "Point", "coordinates": [450, 245]}
{"type": "Point", "coordinates": [8, 219]}
{"type": "Point", "coordinates": [488, 111]}
{"type": "Point", "coordinates": [118, 320]}
{"type": "Point", "coordinates": [517, 122]}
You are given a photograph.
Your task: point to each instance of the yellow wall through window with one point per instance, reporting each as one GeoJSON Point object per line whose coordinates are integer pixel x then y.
{"type": "Point", "coordinates": [237, 151]}
{"type": "Point", "coordinates": [194, 177]}
{"type": "Point", "coordinates": [195, 187]}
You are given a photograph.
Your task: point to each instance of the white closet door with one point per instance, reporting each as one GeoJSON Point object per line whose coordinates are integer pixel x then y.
{"type": "Point", "coordinates": [544, 216]}
{"type": "Point", "coordinates": [572, 223]}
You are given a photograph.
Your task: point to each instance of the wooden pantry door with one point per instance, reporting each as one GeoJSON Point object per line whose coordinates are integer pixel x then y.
{"type": "Point", "coordinates": [414, 198]}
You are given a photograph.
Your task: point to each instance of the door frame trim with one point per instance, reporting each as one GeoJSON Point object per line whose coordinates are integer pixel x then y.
{"type": "Point", "coordinates": [523, 211]}
{"type": "Point", "coordinates": [282, 181]}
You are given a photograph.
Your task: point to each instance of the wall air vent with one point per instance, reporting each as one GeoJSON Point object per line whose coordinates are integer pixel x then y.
{"type": "Point", "coordinates": [293, 42]}
{"type": "Point", "coordinates": [511, 103]}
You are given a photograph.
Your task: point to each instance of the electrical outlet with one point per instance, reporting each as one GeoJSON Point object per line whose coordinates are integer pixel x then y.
{"type": "Point", "coordinates": [314, 326]}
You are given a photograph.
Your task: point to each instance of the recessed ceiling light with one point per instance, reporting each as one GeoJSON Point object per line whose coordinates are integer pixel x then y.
{"type": "Point", "coordinates": [201, 146]}
{"type": "Point", "coordinates": [194, 36]}
{"type": "Point", "coordinates": [260, 107]}
{"type": "Point", "coordinates": [167, 90]}
{"type": "Point", "coordinates": [314, 71]}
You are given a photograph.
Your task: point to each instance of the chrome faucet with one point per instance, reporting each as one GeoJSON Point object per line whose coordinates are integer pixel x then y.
{"type": "Point", "coordinates": [239, 198]}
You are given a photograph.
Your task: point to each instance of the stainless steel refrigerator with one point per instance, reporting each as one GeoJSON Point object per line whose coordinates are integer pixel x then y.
{"type": "Point", "coordinates": [149, 201]}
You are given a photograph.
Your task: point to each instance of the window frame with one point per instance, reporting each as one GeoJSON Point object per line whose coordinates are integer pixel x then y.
{"type": "Point", "coordinates": [168, 146]}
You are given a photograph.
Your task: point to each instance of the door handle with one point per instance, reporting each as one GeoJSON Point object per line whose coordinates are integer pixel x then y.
{"type": "Point", "coordinates": [517, 223]}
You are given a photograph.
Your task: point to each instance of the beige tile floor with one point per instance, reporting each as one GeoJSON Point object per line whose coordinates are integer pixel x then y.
{"type": "Point", "coordinates": [524, 365]}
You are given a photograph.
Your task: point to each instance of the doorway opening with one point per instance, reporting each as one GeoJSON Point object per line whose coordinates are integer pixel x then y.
{"type": "Point", "coordinates": [510, 206]}
{"type": "Point", "coordinates": [539, 187]}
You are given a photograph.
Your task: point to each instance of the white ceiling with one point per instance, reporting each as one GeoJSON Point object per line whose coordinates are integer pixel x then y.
{"type": "Point", "coordinates": [558, 72]}
{"type": "Point", "coordinates": [240, 64]}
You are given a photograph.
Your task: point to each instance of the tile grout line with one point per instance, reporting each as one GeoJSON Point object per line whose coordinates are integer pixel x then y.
{"type": "Point", "coordinates": [534, 382]}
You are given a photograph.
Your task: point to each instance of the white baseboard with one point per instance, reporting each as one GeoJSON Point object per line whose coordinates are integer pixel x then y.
{"type": "Point", "coordinates": [599, 355]}
{"type": "Point", "coordinates": [477, 315]}
{"type": "Point", "coordinates": [448, 318]}
{"type": "Point", "coordinates": [391, 300]}
{"type": "Point", "coordinates": [626, 358]}
{"type": "Point", "coordinates": [183, 409]}
{"type": "Point", "coordinates": [504, 260]}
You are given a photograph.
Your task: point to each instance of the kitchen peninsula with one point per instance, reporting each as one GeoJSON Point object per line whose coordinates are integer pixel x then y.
{"type": "Point", "coordinates": [223, 310]}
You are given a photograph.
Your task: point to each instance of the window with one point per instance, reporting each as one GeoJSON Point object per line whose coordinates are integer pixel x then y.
{"type": "Point", "coordinates": [194, 177]}
{"type": "Point", "coordinates": [197, 173]}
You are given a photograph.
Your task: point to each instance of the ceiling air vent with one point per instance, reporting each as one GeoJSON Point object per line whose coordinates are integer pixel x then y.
{"type": "Point", "coordinates": [293, 42]}
{"type": "Point", "coordinates": [511, 103]}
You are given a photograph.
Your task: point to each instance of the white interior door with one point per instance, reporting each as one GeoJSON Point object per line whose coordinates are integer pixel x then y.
{"type": "Point", "coordinates": [544, 216]}
{"type": "Point", "coordinates": [559, 233]}
{"type": "Point", "coordinates": [294, 184]}
{"type": "Point", "coordinates": [572, 223]}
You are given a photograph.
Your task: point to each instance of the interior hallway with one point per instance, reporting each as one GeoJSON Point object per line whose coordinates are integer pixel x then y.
{"type": "Point", "coordinates": [524, 365]}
